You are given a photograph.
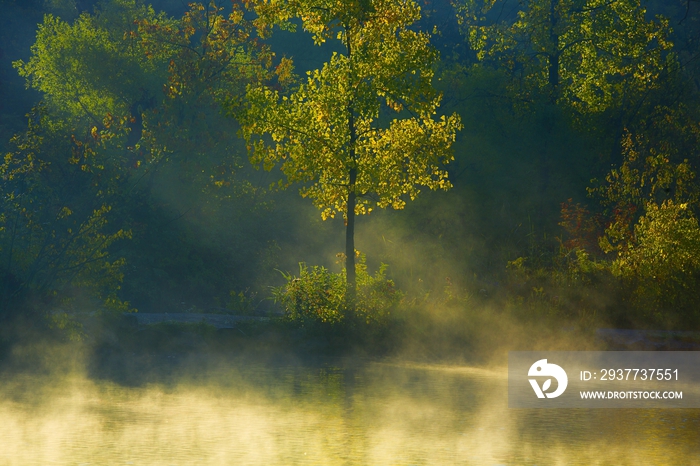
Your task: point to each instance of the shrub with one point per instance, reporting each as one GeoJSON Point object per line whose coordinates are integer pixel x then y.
{"type": "Point", "coordinates": [317, 296]}
{"type": "Point", "coordinates": [662, 262]}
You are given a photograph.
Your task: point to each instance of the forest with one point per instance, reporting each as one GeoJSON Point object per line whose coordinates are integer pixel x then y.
{"type": "Point", "coordinates": [364, 170]}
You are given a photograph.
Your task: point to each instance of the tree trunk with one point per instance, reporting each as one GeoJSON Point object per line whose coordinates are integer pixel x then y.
{"type": "Point", "coordinates": [350, 245]}
{"type": "Point", "coordinates": [351, 282]}
{"type": "Point", "coordinates": [550, 111]}
{"type": "Point", "coordinates": [554, 73]}
{"type": "Point", "coordinates": [553, 56]}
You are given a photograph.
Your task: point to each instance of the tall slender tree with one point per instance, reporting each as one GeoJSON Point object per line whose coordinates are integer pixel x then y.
{"type": "Point", "coordinates": [360, 132]}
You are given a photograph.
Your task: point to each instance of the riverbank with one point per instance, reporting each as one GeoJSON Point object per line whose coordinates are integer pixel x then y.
{"type": "Point", "coordinates": [140, 348]}
{"type": "Point", "coordinates": [648, 340]}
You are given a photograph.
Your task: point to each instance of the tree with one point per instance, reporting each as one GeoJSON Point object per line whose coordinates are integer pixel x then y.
{"type": "Point", "coordinates": [589, 55]}
{"type": "Point", "coordinates": [652, 204]}
{"type": "Point", "coordinates": [55, 232]}
{"type": "Point", "coordinates": [127, 92]}
{"type": "Point", "coordinates": [361, 131]}
{"type": "Point", "coordinates": [93, 66]}
{"type": "Point", "coordinates": [157, 82]}
{"type": "Point", "coordinates": [598, 64]}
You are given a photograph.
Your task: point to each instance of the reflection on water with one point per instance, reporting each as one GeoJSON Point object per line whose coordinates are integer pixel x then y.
{"type": "Point", "coordinates": [374, 414]}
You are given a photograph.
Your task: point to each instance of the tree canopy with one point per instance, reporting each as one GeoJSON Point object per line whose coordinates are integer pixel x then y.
{"type": "Point", "coordinates": [588, 55]}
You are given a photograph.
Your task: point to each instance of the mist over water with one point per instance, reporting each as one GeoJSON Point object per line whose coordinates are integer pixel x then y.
{"type": "Point", "coordinates": [510, 258]}
{"type": "Point", "coordinates": [334, 412]}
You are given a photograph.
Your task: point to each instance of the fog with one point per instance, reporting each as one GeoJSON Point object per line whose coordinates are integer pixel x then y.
{"type": "Point", "coordinates": [244, 412]}
{"type": "Point", "coordinates": [541, 186]}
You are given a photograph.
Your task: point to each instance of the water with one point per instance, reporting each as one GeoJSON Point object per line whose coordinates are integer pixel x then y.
{"type": "Point", "coordinates": [331, 413]}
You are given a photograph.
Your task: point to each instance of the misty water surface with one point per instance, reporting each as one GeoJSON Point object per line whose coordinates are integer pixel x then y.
{"type": "Point", "coordinates": [330, 413]}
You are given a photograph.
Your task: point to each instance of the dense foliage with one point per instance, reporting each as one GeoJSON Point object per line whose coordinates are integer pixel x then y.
{"type": "Point", "coordinates": [561, 138]}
